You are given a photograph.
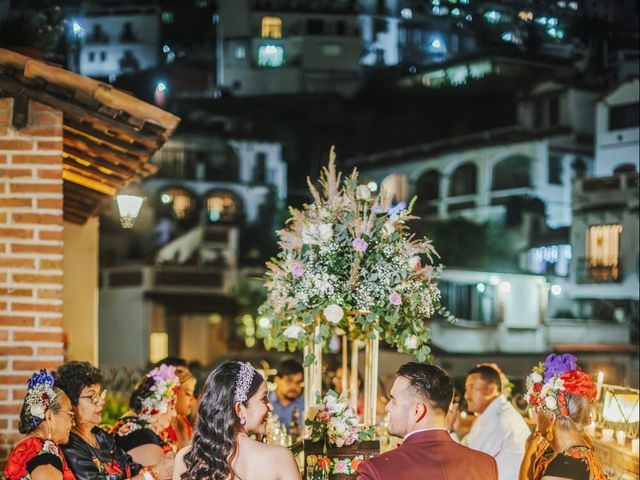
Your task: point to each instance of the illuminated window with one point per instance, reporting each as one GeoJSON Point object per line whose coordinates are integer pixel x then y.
{"type": "Point", "coordinates": [271, 27]}
{"type": "Point", "coordinates": [270, 56]}
{"type": "Point", "coordinates": [181, 201]}
{"type": "Point", "coordinates": [223, 207]}
{"type": "Point", "coordinates": [603, 245]}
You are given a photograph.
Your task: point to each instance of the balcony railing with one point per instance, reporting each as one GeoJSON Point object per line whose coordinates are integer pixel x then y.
{"type": "Point", "coordinates": [588, 271]}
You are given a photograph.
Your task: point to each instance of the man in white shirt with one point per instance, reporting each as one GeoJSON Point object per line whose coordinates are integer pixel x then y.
{"type": "Point", "coordinates": [499, 429]}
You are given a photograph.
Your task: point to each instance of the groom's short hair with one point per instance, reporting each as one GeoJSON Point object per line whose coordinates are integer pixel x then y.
{"type": "Point", "coordinates": [430, 382]}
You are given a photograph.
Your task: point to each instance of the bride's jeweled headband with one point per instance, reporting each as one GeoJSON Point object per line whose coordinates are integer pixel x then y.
{"type": "Point", "coordinates": [243, 382]}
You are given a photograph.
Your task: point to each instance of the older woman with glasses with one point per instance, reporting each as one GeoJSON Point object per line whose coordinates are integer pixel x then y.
{"type": "Point", "coordinates": [93, 453]}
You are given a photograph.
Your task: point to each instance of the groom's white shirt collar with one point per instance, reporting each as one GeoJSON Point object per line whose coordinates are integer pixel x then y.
{"type": "Point", "coordinates": [422, 430]}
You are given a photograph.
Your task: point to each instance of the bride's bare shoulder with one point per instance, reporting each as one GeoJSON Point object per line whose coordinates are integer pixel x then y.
{"type": "Point", "coordinates": [274, 451]}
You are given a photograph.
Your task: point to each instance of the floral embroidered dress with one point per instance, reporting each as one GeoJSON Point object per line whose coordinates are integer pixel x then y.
{"type": "Point", "coordinates": [576, 463]}
{"type": "Point", "coordinates": [132, 431]}
{"type": "Point", "coordinates": [31, 453]}
{"type": "Point", "coordinates": [170, 436]}
{"type": "Point", "coordinates": [106, 462]}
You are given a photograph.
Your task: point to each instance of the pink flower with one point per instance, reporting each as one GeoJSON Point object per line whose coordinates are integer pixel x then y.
{"type": "Point", "coordinates": [323, 416]}
{"type": "Point", "coordinates": [395, 299]}
{"type": "Point", "coordinates": [359, 244]}
{"type": "Point", "coordinates": [297, 269]}
{"type": "Point", "coordinates": [340, 466]}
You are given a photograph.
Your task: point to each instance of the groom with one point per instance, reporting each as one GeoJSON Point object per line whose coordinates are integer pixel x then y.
{"type": "Point", "coordinates": [420, 399]}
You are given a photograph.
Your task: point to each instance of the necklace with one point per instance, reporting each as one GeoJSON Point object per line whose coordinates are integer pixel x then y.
{"type": "Point", "coordinates": [90, 440]}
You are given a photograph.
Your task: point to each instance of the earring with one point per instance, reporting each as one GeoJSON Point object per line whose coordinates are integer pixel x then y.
{"type": "Point", "coordinates": [242, 421]}
{"type": "Point", "coordinates": [549, 434]}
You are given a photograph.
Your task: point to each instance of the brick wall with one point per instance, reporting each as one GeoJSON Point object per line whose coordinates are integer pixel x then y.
{"type": "Point", "coordinates": [31, 255]}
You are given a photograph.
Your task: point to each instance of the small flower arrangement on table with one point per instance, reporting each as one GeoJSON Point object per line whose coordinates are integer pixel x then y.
{"type": "Point", "coordinates": [334, 422]}
{"type": "Point", "coordinates": [347, 263]}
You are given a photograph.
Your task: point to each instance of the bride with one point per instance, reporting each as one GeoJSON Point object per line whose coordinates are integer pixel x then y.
{"type": "Point", "coordinates": [234, 404]}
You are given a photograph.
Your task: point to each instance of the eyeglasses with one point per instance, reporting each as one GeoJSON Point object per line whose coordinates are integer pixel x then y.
{"type": "Point", "coordinates": [96, 398]}
{"type": "Point", "coordinates": [72, 415]}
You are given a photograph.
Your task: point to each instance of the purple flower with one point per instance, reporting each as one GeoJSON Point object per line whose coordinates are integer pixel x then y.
{"type": "Point", "coordinates": [396, 209]}
{"type": "Point", "coordinates": [395, 298]}
{"type": "Point", "coordinates": [559, 364]}
{"type": "Point", "coordinates": [297, 269]}
{"type": "Point", "coordinates": [359, 244]}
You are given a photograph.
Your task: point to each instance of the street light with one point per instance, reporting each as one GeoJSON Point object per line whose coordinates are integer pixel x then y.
{"type": "Point", "coordinates": [129, 208]}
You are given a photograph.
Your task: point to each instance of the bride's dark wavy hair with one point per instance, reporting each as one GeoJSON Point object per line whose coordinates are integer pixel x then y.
{"type": "Point", "coordinates": [214, 443]}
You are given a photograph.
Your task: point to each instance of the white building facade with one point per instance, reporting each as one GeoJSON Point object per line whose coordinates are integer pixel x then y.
{"type": "Point", "coordinates": [116, 40]}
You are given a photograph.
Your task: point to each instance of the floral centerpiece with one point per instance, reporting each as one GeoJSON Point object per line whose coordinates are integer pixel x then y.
{"type": "Point", "coordinates": [335, 422]}
{"type": "Point", "coordinates": [347, 262]}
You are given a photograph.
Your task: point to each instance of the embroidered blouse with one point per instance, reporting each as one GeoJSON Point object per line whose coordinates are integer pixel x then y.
{"type": "Point", "coordinates": [131, 432]}
{"type": "Point", "coordinates": [576, 463]}
{"type": "Point", "coordinates": [106, 462]}
{"type": "Point", "coordinates": [31, 453]}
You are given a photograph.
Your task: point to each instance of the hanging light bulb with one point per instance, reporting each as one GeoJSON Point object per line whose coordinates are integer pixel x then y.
{"type": "Point", "coordinates": [129, 208]}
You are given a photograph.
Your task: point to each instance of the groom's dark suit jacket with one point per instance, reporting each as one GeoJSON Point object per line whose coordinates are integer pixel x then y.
{"type": "Point", "coordinates": [430, 455]}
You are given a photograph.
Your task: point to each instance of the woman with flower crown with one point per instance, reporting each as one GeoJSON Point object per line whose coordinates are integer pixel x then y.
{"type": "Point", "coordinates": [559, 449]}
{"type": "Point", "coordinates": [46, 418]}
{"type": "Point", "coordinates": [152, 407]}
{"type": "Point", "coordinates": [234, 405]}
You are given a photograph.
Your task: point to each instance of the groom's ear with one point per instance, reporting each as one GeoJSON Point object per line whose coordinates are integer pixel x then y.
{"type": "Point", "coordinates": [419, 411]}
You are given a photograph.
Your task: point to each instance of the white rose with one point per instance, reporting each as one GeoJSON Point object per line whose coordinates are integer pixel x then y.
{"type": "Point", "coordinates": [545, 389]}
{"type": "Point", "coordinates": [411, 342]}
{"type": "Point", "coordinates": [293, 331]}
{"type": "Point", "coordinates": [326, 232]}
{"type": "Point", "coordinates": [550, 403]}
{"type": "Point", "coordinates": [37, 411]}
{"type": "Point", "coordinates": [363, 192]}
{"type": "Point", "coordinates": [413, 262]}
{"type": "Point", "coordinates": [536, 377]}
{"type": "Point", "coordinates": [333, 313]}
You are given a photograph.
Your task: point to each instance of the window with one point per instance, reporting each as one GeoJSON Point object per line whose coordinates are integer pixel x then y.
{"type": "Point", "coordinates": [538, 113]}
{"type": "Point", "coordinates": [315, 26]}
{"type": "Point", "coordinates": [260, 168]}
{"type": "Point", "coordinates": [223, 207]}
{"type": "Point", "coordinates": [512, 172]}
{"type": "Point", "coordinates": [463, 180]}
{"type": "Point", "coordinates": [127, 34]}
{"type": "Point", "coordinates": [103, 56]}
{"type": "Point", "coordinates": [270, 56]}
{"type": "Point", "coordinates": [182, 203]}
{"type": "Point", "coordinates": [554, 111]}
{"type": "Point", "coordinates": [92, 56]}
{"type": "Point", "coordinates": [603, 244]}
{"type": "Point", "coordinates": [271, 27]}
{"type": "Point", "coordinates": [428, 186]}
{"type": "Point", "coordinates": [555, 169]}
{"type": "Point", "coordinates": [623, 116]}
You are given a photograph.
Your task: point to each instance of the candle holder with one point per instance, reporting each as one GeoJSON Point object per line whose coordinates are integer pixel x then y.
{"type": "Point", "coordinates": [618, 409]}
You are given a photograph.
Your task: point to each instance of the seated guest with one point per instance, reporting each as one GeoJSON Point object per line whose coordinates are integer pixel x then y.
{"type": "Point", "coordinates": [180, 431]}
{"type": "Point", "coordinates": [420, 399]}
{"type": "Point", "coordinates": [92, 453]}
{"type": "Point", "coordinates": [287, 396]}
{"type": "Point", "coordinates": [153, 406]}
{"type": "Point", "coordinates": [558, 449]}
{"type": "Point", "coordinates": [46, 418]}
{"type": "Point", "coordinates": [499, 429]}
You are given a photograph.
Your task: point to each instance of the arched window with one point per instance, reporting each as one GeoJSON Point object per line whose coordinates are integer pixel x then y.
{"type": "Point", "coordinates": [181, 201]}
{"type": "Point", "coordinates": [512, 172]}
{"type": "Point", "coordinates": [223, 207]}
{"type": "Point", "coordinates": [463, 180]}
{"type": "Point", "coordinates": [396, 187]}
{"type": "Point", "coordinates": [428, 185]}
{"type": "Point", "coordinates": [271, 27]}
